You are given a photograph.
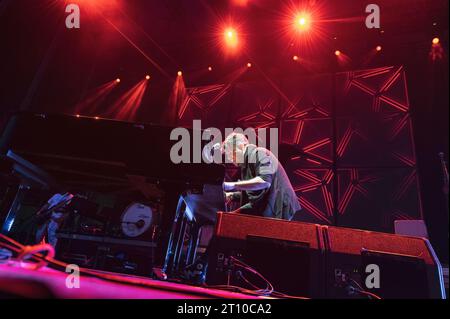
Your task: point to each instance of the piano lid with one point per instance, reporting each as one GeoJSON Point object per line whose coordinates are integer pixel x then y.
{"type": "Point", "coordinates": [90, 148]}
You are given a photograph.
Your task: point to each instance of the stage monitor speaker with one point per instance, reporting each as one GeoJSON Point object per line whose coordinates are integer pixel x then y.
{"type": "Point", "coordinates": [388, 265]}
{"type": "Point", "coordinates": [288, 254]}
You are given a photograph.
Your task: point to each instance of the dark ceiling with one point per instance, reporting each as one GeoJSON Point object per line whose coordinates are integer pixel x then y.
{"type": "Point", "coordinates": [47, 67]}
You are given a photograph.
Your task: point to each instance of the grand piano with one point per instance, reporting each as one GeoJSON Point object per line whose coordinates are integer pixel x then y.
{"type": "Point", "coordinates": [59, 152]}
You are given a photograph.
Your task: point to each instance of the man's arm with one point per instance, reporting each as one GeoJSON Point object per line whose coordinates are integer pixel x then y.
{"type": "Point", "coordinates": [254, 184]}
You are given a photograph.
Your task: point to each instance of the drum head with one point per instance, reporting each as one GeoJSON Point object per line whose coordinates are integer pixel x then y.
{"type": "Point", "coordinates": [136, 219]}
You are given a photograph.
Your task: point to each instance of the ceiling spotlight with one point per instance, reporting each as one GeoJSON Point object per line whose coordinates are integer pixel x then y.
{"type": "Point", "coordinates": [302, 22]}
{"type": "Point", "coordinates": [378, 48]}
{"type": "Point", "coordinates": [117, 80]}
{"type": "Point", "coordinates": [337, 53]}
{"type": "Point", "coordinates": [147, 77]}
{"type": "Point", "coordinates": [180, 73]}
{"type": "Point", "coordinates": [249, 65]}
{"type": "Point", "coordinates": [231, 38]}
{"type": "Point", "coordinates": [209, 68]}
{"type": "Point", "coordinates": [295, 58]}
{"type": "Point", "coordinates": [436, 41]}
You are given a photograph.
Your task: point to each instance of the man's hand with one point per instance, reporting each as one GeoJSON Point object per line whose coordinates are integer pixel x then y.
{"type": "Point", "coordinates": [229, 197]}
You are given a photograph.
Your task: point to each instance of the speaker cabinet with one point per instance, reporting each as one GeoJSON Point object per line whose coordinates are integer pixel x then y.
{"type": "Point", "coordinates": [311, 260]}
{"type": "Point", "coordinates": [391, 266]}
{"type": "Point", "coordinates": [288, 254]}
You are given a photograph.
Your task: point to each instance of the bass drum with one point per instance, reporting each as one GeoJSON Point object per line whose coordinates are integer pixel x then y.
{"type": "Point", "coordinates": [136, 220]}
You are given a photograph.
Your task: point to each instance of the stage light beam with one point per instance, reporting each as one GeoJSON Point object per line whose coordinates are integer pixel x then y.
{"type": "Point", "coordinates": [437, 51]}
{"type": "Point", "coordinates": [147, 77]}
{"type": "Point", "coordinates": [88, 104]}
{"type": "Point", "coordinates": [179, 73]}
{"type": "Point", "coordinates": [128, 104]}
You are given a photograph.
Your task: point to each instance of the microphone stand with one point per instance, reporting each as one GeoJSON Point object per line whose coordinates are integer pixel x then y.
{"type": "Point", "coordinates": [445, 178]}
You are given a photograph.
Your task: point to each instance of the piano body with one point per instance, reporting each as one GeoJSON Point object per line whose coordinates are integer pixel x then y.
{"type": "Point", "coordinates": [60, 152]}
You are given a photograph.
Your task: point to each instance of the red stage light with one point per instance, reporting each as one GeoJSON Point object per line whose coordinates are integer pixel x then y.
{"type": "Point", "coordinates": [249, 65]}
{"type": "Point", "coordinates": [231, 37]}
{"type": "Point", "coordinates": [118, 80]}
{"type": "Point", "coordinates": [302, 25]}
{"type": "Point", "coordinates": [147, 77]}
{"type": "Point", "coordinates": [337, 53]}
{"type": "Point", "coordinates": [295, 58]}
{"type": "Point", "coordinates": [378, 48]}
{"type": "Point", "coordinates": [180, 73]}
{"type": "Point", "coordinates": [241, 3]}
{"type": "Point", "coordinates": [302, 22]}
{"type": "Point", "coordinates": [209, 68]}
{"type": "Point", "coordinates": [436, 52]}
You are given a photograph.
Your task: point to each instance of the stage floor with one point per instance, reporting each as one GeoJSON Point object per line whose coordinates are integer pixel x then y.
{"type": "Point", "coordinates": [17, 281]}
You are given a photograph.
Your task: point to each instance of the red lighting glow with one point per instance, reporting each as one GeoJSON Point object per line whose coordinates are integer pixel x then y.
{"type": "Point", "coordinates": [437, 51]}
{"type": "Point", "coordinates": [117, 80]}
{"type": "Point", "coordinates": [180, 73]}
{"type": "Point", "coordinates": [241, 3]}
{"type": "Point", "coordinates": [95, 97]}
{"type": "Point", "coordinates": [343, 59]}
{"type": "Point", "coordinates": [302, 21]}
{"type": "Point", "coordinates": [378, 48]}
{"type": "Point", "coordinates": [295, 58]}
{"type": "Point", "coordinates": [303, 25]}
{"type": "Point", "coordinates": [249, 65]}
{"type": "Point", "coordinates": [147, 77]}
{"type": "Point", "coordinates": [126, 107]}
{"type": "Point", "coordinates": [209, 68]}
{"type": "Point", "coordinates": [231, 37]}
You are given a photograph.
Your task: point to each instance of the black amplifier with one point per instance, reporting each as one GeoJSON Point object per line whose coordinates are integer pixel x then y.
{"type": "Point", "coordinates": [119, 255]}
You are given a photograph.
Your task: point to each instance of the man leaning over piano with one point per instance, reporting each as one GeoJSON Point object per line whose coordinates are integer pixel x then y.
{"type": "Point", "coordinates": [264, 189]}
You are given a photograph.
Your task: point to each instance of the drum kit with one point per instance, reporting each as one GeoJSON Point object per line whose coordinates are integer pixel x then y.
{"type": "Point", "coordinates": [122, 239]}
{"type": "Point", "coordinates": [134, 220]}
